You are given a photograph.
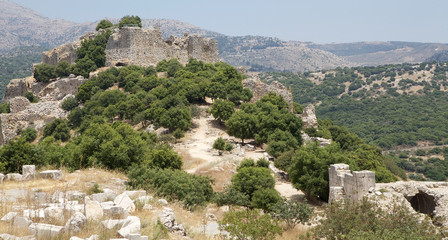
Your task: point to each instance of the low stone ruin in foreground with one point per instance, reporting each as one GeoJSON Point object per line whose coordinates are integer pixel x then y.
{"type": "Point", "coordinates": [426, 198]}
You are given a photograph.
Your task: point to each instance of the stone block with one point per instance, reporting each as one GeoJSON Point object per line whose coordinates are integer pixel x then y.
{"type": "Point", "coordinates": [34, 213]}
{"type": "Point", "coordinates": [51, 174]}
{"type": "Point", "coordinates": [107, 195]}
{"type": "Point", "coordinates": [135, 194]}
{"type": "Point", "coordinates": [45, 231]}
{"type": "Point", "coordinates": [2, 177]}
{"type": "Point", "coordinates": [28, 172]}
{"type": "Point", "coordinates": [9, 217]}
{"type": "Point", "coordinates": [14, 177]}
{"type": "Point", "coordinates": [54, 213]}
{"type": "Point", "coordinates": [75, 223]}
{"type": "Point", "coordinates": [125, 202]}
{"type": "Point", "coordinates": [93, 210]}
{"type": "Point", "coordinates": [162, 202]}
{"type": "Point", "coordinates": [21, 222]}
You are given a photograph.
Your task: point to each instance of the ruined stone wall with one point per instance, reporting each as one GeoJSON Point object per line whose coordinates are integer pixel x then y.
{"type": "Point", "coordinates": [25, 114]}
{"type": "Point", "coordinates": [260, 89]}
{"type": "Point", "coordinates": [146, 47]}
{"type": "Point", "coordinates": [349, 185]}
{"type": "Point", "coordinates": [65, 52]}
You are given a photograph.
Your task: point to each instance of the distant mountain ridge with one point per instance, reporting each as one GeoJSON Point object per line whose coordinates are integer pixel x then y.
{"type": "Point", "coordinates": [23, 27]}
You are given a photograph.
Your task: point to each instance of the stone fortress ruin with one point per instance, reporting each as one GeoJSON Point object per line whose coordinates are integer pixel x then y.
{"type": "Point", "coordinates": [126, 46]}
{"type": "Point", "coordinates": [146, 47]}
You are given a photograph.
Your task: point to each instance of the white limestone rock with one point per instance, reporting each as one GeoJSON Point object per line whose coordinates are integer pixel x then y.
{"type": "Point", "coordinates": [125, 202]}
{"type": "Point", "coordinates": [75, 223]}
{"type": "Point", "coordinates": [51, 174]}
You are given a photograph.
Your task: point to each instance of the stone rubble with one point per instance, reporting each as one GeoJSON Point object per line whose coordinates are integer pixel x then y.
{"type": "Point", "coordinates": [168, 220]}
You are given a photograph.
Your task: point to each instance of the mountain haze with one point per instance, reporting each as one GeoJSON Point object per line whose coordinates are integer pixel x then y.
{"type": "Point", "coordinates": [23, 27]}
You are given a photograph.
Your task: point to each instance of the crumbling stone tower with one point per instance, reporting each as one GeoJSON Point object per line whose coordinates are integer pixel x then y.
{"type": "Point", "coordinates": [146, 47]}
{"type": "Point", "coordinates": [345, 184]}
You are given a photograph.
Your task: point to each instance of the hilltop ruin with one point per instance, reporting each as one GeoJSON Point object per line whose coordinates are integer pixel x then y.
{"type": "Point", "coordinates": [146, 47]}
{"type": "Point", "coordinates": [143, 47]}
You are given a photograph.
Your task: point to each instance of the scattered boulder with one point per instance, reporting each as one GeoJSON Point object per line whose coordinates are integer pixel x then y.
{"type": "Point", "coordinates": [130, 225]}
{"type": "Point", "coordinates": [21, 222]}
{"type": "Point", "coordinates": [34, 213]}
{"type": "Point", "coordinates": [6, 236]}
{"type": "Point", "coordinates": [163, 202]}
{"type": "Point", "coordinates": [51, 174]}
{"type": "Point", "coordinates": [106, 195]}
{"type": "Point", "coordinates": [168, 220]}
{"type": "Point", "coordinates": [54, 213]}
{"type": "Point", "coordinates": [14, 177]}
{"type": "Point", "coordinates": [125, 202]}
{"type": "Point", "coordinates": [93, 209]}
{"type": "Point", "coordinates": [2, 177]}
{"type": "Point", "coordinates": [135, 194]}
{"type": "Point", "coordinates": [9, 217]}
{"type": "Point", "coordinates": [75, 223]}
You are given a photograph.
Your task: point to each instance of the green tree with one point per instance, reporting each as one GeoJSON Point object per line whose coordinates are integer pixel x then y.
{"type": "Point", "coordinates": [309, 170]}
{"type": "Point", "coordinates": [104, 24]}
{"type": "Point", "coordinates": [58, 128]}
{"type": "Point", "coordinates": [15, 154]}
{"type": "Point", "coordinates": [29, 134]}
{"type": "Point", "coordinates": [165, 158]}
{"type": "Point", "coordinates": [265, 198]}
{"type": "Point", "coordinates": [242, 125]}
{"type": "Point", "coordinates": [250, 179]}
{"type": "Point", "coordinates": [44, 72]}
{"type": "Point", "coordinates": [250, 224]}
{"type": "Point", "coordinates": [222, 110]}
{"type": "Point", "coordinates": [69, 103]}
{"type": "Point", "coordinates": [62, 69]}
{"type": "Point", "coordinates": [292, 212]}
{"type": "Point", "coordinates": [130, 20]}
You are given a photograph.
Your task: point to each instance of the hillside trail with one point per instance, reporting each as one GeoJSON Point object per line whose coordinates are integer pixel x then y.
{"type": "Point", "coordinates": [200, 158]}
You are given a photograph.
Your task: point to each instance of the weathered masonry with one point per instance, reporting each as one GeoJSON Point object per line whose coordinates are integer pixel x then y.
{"type": "Point", "coordinates": [345, 184]}
{"type": "Point", "coordinates": [146, 47]}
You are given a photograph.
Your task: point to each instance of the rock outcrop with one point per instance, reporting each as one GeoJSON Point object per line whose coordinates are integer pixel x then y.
{"type": "Point", "coordinates": [146, 47]}
{"type": "Point", "coordinates": [25, 114]}
{"type": "Point", "coordinates": [65, 52]}
{"type": "Point", "coordinates": [259, 88]}
{"type": "Point", "coordinates": [309, 117]}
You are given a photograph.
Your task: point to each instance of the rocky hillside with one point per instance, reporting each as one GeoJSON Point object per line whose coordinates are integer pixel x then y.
{"type": "Point", "coordinates": [256, 52]}
{"type": "Point", "coordinates": [389, 105]}
{"type": "Point", "coordinates": [378, 53]}
{"type": "Point", "coordinates": [24, 27]}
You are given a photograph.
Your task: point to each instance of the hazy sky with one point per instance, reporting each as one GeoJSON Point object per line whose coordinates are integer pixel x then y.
{"type": "Point", "coordinates": [312, 20]}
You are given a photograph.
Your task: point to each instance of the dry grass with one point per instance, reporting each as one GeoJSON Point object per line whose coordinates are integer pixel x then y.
{"type": "Point", "coordinates": [221, 172]}
{"type": "Point", "coordinates": [189, 161]}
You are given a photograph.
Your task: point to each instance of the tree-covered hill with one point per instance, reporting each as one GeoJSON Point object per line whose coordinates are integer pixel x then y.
{"type": "Point", "coordinates": [389, 105]}
{"type": "Point", "coordinates": [17, 64]}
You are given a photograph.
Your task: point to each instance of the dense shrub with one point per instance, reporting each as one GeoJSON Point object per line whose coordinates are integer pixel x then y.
{"type": "Point", "coordinates": [130, 20]}
{"type": "Point", "coordinates": [366, 220]}
{"type": "Point", "coordinates": [30, 96]}
{"type": "Point", "coordinates": [59, 129]}
{"type": "Point", "coordinates": [69, 103]}
{"type": "Point", "coordinates": [165, 157]}
{"type": "Point", "coordinates": [44, 72]}
{"type": "Point", "coordinates": [190, 189]}
{"type": "Point", "coordinates": [104, 24]}
{"type": "Point", "coordinates": [292, 212]}
{"type": "Point", "coordinates": [29, 134]}
{"type": "Point", "coordinates": [250, 224]}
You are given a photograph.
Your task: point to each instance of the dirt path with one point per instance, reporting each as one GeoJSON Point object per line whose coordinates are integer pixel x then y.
{"type": "Point", "coordinates": [200, 158]}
